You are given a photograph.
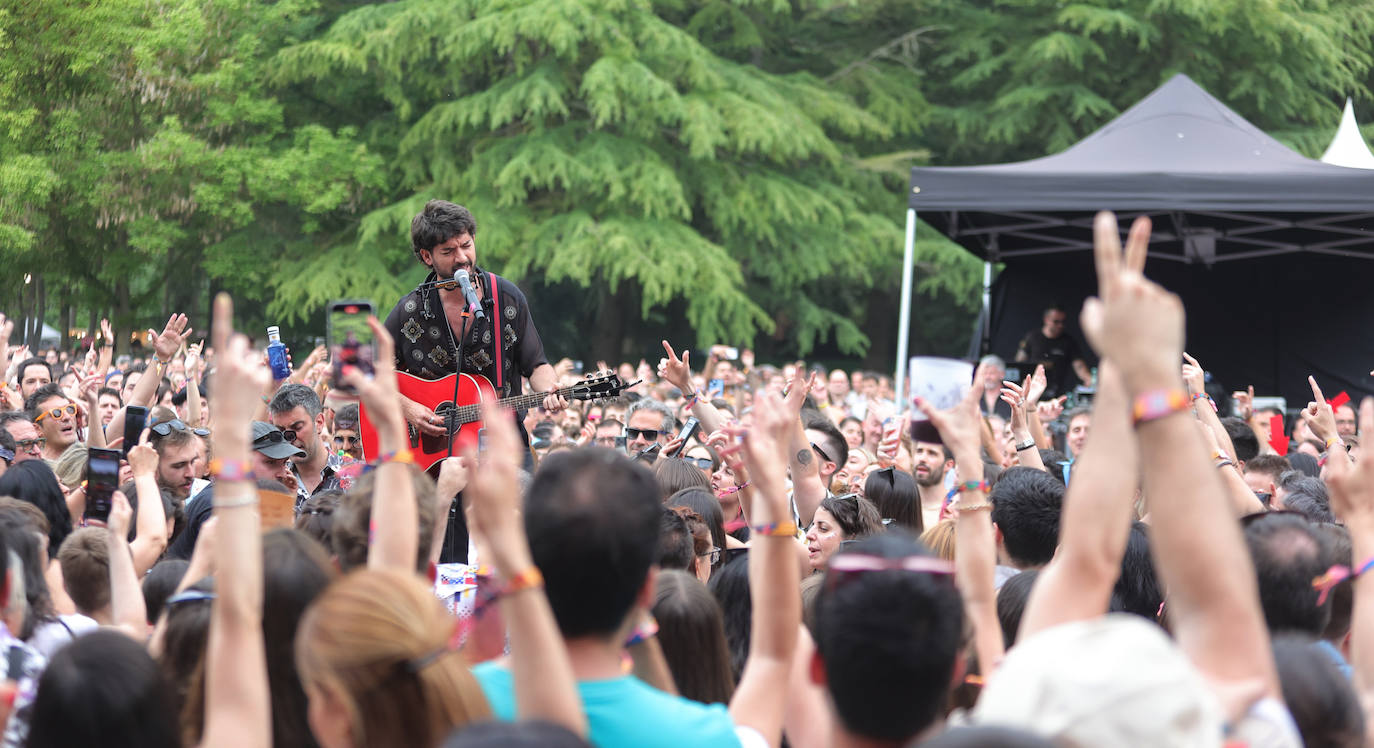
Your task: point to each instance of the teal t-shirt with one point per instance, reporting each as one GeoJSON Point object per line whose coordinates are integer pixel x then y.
{"type": "Point", "coordinates": [626, 712]}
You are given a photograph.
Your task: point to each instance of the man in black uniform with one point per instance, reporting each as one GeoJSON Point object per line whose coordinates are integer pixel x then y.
{"type": "Point", "coordinates": [1057, 351]}
{"type": "Point", "coordinates": [428, 323]}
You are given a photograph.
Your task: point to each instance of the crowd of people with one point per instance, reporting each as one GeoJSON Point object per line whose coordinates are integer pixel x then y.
{"type": "Point", "coordinates": [731, 554]}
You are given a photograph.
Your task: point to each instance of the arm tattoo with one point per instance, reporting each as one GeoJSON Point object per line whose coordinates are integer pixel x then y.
{"type": "Point", "coordinates": [804, 457]}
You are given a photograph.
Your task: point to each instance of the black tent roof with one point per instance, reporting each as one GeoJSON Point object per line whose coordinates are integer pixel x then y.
{"type": "Point", "coordinates": [1219, 191]}
{"type": "Point", "coordinates": [1217, 187]}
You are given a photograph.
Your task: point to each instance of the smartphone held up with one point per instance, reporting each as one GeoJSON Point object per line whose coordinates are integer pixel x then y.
{"type": "Point", "coordinates": [351, 342]}
{"type": "Point", "coordinates": [102, 480]}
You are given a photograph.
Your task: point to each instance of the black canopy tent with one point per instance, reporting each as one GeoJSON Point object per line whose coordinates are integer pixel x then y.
{"type": "Point", "coordinates": [1269, 250]}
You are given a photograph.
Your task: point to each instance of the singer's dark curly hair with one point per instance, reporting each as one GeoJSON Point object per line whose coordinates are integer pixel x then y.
{"type": "Point", "coordinates": [440, 221]}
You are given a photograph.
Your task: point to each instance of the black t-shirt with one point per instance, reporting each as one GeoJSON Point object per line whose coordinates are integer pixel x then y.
{"type": "Point", "coordinates": [199, 509]}
{"type": "Point", "coordinates": [1057, 354]}
{"type": "Point", "coordinates": [425, 349]}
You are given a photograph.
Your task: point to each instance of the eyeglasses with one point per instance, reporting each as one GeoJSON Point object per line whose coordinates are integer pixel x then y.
{"type": "Point", "coordinates": [176, 424]}
{"type": "Point", "coordinates": [821, 452]}
{"type": "Point", "coordinates": [703, 463]}
{"type": "Point", "coordinates": [67, 410]}
{"type": "Point", "coordinates": [714, 553]}
{"type": "Point", "coordinates": [30, 445]}
{"type": "Point", "coordinates": [347, 441]}
{"type": "Point", "coordinates": [648, 434]}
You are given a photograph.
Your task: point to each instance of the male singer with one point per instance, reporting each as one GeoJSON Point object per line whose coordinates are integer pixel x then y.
{"type": "Point", "coordinates": [424, 325]}
{"type": "Point", "coordinates": [425, 321]}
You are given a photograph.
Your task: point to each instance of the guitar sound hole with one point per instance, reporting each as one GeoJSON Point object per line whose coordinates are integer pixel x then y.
{"type": "Point", "coordinates": [431, 444]}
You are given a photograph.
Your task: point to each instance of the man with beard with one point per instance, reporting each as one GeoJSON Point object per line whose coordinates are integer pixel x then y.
{"type": "Point", "coordinates": [296, 410]}
{"type": "Point", "coordinates": [177, 452]}
{"type": "Point", "coordinates": [929, 462]}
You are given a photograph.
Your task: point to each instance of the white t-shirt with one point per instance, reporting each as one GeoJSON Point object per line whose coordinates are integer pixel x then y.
{"type": "Point", "coordinates": [50, 636]}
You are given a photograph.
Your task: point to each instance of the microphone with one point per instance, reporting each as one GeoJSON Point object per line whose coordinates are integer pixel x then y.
{"type": "Point", "coordinates": [465, 283]}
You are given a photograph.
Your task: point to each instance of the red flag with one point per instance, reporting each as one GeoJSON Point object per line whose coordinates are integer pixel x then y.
{"type": "Point", "coordinates": [1276, 438]}
{"type": "Point", "coordinates": [1339, 400]}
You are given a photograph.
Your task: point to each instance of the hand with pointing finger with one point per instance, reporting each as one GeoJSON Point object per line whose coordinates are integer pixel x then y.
{"type": "Point", "coordinates": [1318, 414]}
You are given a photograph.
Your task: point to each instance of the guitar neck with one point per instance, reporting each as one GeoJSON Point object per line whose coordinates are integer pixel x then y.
{"type": "Point", "coordinates": [465, 414]}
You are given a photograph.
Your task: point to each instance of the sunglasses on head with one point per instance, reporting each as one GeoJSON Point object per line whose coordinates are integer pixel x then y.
{"type": "Point", "coordinates": [26, 445]}
{"type": "Point", "coordinates": [821, 452]}
{"type": "Point", "coordinates": [851, 564]}
{"type": "Point", "coordinates": [648, 434]}
{"type": "Point", "coordinates": [67, 410]}
{"type": "Point", "coordinates": [176, 424]}
{"type": "Point", "coordinates": [274, 437]}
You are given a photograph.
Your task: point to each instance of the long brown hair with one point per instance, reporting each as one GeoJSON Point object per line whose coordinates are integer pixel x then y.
{"type": "Point", "coordinates": [380, 641]}
{"type": "Point", "coordinates": [692, 634]}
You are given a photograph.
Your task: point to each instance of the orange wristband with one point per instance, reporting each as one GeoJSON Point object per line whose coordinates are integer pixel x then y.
{"type": "Point", "coordinates": [528, 579]}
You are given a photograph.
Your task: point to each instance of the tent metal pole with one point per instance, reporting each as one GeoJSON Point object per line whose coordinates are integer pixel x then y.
{"type": "Point", "coordinates": [986, 332]}
{"type": "Point", "coordinates": [904, 321]}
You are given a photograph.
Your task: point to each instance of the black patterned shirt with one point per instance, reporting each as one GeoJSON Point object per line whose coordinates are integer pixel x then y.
{"type": "Point", "coordinates": [424, 347]}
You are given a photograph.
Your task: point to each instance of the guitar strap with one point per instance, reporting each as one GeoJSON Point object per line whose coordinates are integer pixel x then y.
{"type": "Point", "coordinates": [498, 338]}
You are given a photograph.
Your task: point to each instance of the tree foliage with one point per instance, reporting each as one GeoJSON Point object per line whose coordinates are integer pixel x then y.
{"type": "Point", "coordinates": [720, 169]}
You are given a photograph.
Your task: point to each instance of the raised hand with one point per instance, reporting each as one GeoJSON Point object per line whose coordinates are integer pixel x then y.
{"type": "Point", "coordinates": [1132, 321]}
{"type": "Point", "coordinates": [1352, 482]}
{"type": "Point", "coordinates": [676, 371]}
{"type": "Point", "coordinates": [120, 515]}
{"type": "Point", "coordinates": [960, 427]}
{"type": "Point", "coordinates": [173, 336]}
{"type": "Point", "coordinates": [1245, 402]}
{"type": "Point", "coordinates": [192, 363]}
{"type": "Point", "coordinates": [493, 494]}
{"type": "Point", "coordinates": [240, 374]}
{"type": "Point", "coordinates": [1013, 394]}
{"type": "Point", "coordinates": [1318, 414]}
{"type": "Point", "coordinates": [380, 394]}
{"type": "Point", "coordinates": [1036, 385]}
{"type": "Point", "coordinates": [107, 332]}
{"type": "Point", "coordinates": [764, 450]}
{"type": "Point", "coordinates": [143, 458]}
{"type": "Point", "coordinates": [1051, 409]}
{"type": "Point", "coordinates": [1194, 376]}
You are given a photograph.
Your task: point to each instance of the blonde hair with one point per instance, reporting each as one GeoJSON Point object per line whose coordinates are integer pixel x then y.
{"type": "Point", "coordinates": [71, 466]}
{"type": "Point", "coordinates": [380, 640]}
{"type": "Point", "coordinates": [940, 539]}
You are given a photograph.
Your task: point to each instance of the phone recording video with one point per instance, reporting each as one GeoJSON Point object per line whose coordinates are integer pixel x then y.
{"type": "Point", "coordinates": [351, 342]}
{"type": "Point", "coordinates": [135, 418]}
{"type": "Point", "coordinates": [102, 479]}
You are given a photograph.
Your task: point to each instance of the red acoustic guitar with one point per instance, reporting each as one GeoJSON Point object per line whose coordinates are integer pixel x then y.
{"type": "Point", "coordinates": [464, 418]}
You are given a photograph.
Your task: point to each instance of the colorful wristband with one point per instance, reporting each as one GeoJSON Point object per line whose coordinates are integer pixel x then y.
{"type": "Point", "coordinates": [1210, 401]}
{"type": "Point", "coordinates": [232, 470]}
{"type": "Point", "coordinates": [645, 630]}
{"type": "Point", "coordinates": [1337, 574]}
{"type": "Point", "coordinates": [403, 456]}
{"type": "Point", "coordinates": [972, 485]}
{"type": "Point", "coordinates": [692, 403]}
{"type": "Point", "coordinates": [1152, 406]}
{"type": "Point", "coordinates": [776, 530]}
{"type": "Point", "coordinates": [528, 579]}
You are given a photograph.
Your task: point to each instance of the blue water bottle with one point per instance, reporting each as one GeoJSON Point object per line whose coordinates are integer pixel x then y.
{"type": "Point", "coordinates": [276, 354]}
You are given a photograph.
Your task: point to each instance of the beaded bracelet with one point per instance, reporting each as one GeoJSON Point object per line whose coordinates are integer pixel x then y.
{"type": "Point", "coordinates": [776, 530]}
{"type": "Point", "coordinates": [961, 508]}
{"type": "Point", "coordinates": [1154, 405]}
{"type": "Point", "coordinates": [232, 470]}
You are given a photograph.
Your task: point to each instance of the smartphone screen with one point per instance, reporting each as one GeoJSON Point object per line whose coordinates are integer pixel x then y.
{"type": "Point", "coordinates": [135, 418]}
{"type": "Point", "coordinates": [102, 478]}
{"type": "Point", "coordinates": [351, 342]}
{"type": "Point", "coordinates": [715, 388]}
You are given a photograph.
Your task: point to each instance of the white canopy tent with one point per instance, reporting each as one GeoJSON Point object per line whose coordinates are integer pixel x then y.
{"type": "Point", "coordinates": [1348, 147]}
